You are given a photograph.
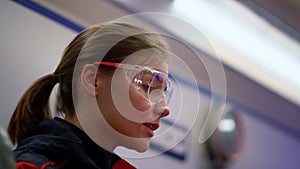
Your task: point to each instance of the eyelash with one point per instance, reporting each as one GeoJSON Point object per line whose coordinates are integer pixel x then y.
{"type": "Point", "coordinates": [147, 86]}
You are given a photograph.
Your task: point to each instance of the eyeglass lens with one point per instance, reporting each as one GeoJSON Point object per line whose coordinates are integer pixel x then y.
{"type": "Point", "coordinates": [154, 85]}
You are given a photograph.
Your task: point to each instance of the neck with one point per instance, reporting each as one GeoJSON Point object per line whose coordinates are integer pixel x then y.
{"type": "Point", "coordinates": [95, 126]}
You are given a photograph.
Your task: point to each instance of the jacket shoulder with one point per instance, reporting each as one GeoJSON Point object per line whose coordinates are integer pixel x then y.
{"type": "Point", "coordinates": [32, 160]}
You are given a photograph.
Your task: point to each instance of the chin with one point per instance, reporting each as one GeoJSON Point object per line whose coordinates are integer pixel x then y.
{"type": "Point", "coordinates": [139, 144]}
{"type": "Point", "coordinates": [142, 149]}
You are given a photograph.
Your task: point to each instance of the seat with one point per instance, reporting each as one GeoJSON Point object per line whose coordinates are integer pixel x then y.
{"type": "Point", "coordinates": [6, 156]}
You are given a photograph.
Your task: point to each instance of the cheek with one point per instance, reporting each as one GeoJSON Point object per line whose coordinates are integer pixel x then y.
{"type": "Point", "coordinates": [117, 121]}
{"type": "Point", "coordinates": [138, 99]}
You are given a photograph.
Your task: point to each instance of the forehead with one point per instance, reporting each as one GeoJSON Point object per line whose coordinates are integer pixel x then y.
{"type": "Point", "coordinates": [149, 58]}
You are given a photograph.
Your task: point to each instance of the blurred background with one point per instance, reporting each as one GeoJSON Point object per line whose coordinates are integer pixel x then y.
{"type": "Point", "coordinates": [257, 42]}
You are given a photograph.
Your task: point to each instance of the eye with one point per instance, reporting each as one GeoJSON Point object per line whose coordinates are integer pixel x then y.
{"type": "Point", "coordinates": [141, 85]}
{"type": "Point", "coordinates": [150, 88]}
{"type": "Point", "coordinates": [147, 87]}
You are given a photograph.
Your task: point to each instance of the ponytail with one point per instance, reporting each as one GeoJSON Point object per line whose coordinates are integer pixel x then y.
{"type": "Point", "coordinates": [32, 108]}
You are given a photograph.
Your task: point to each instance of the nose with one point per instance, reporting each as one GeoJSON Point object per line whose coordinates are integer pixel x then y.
{"type": "Point", "coordinates": [165, 112]}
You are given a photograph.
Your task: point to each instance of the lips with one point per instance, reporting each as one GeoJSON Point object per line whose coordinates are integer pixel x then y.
{"type": "Point", "coordinates": [150, 127]}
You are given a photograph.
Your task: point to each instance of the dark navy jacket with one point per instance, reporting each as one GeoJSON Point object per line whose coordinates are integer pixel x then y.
{"type": "Point", "coordinates": [60, 144]}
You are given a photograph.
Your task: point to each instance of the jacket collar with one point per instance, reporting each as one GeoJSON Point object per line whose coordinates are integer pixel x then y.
{"type": "Point", "coordinates": [59, 140]}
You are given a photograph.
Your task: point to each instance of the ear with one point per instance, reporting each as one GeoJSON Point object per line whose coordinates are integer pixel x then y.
{"type": "Point", "coordinates": [89, 79]}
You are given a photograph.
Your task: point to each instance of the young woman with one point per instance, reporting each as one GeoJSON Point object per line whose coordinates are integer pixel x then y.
{"type": "Point", "coordinates": [113, 89]}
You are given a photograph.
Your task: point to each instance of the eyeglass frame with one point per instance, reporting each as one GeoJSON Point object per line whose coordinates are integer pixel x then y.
{"type": "Point", "coordinates": [139, 67]}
